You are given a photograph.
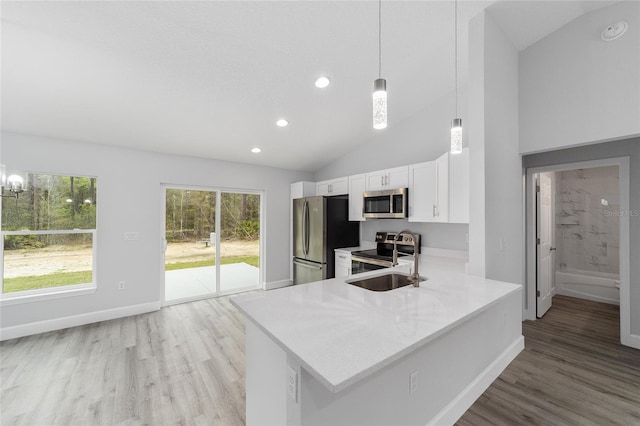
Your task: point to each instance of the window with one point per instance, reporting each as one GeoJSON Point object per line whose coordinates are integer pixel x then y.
{"type": "Point", "coordinates": [49, 237]}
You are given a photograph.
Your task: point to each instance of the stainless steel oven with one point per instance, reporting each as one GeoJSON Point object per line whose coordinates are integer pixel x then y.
{"type": "Point", "coordinates": [382, 256]}
{"type": "Point", "coordinates": [390, 203]}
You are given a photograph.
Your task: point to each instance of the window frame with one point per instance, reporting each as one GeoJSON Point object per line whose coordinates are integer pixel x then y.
{"type": "Point", "coordinates": [48, 293]}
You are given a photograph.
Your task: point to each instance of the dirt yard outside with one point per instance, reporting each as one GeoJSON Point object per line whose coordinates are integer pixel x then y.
{"type": "Point", "coordinates": [56, 259]}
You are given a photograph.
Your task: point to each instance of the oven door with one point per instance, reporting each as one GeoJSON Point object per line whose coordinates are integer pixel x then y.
{"type": "Point", "coordinates": [365, 264]}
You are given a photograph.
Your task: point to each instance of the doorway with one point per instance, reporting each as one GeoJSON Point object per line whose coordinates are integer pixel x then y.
{"type": "Point", "coordinates": [575, 233]}
{"type": "Point", "coordinates": [212, 242]}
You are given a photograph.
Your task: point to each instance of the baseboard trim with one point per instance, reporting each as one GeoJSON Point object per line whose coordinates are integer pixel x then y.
{"type": "Point", "coordinates": [456, 408]}
{"type": "Point", "coordinates": [632, 340]}
{"type": "Point", "coordinates": [277, 284]}
{"type": "Point", "coordinates": [38, 327]}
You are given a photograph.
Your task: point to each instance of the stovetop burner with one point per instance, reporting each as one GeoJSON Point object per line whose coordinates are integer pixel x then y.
{"type": "Point", "coordinates": [384, 248]}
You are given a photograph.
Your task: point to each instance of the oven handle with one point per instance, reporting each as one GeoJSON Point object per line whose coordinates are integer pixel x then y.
{"type": "Point", "coordinates": [383, 263]}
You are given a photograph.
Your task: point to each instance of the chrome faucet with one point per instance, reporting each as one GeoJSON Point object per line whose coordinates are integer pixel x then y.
{"type": "Point", "coordinates": [415, 276]}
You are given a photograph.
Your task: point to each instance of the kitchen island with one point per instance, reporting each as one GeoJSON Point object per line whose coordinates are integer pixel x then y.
{"type": "Point", "coordinates": [332, 353]}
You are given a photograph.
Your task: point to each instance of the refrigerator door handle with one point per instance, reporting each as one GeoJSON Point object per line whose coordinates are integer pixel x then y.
{"type": "Point", "coordinates": [307, 228]}
{"type": "Point", "coordinates": [307, 265]}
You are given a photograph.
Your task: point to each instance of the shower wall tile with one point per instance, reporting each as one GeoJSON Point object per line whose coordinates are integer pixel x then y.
{"type": "Point", "coordinates": [587, 228]}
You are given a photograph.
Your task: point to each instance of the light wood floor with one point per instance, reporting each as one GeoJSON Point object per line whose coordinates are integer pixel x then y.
{"type": "Point", "coordinates": [185, 365]}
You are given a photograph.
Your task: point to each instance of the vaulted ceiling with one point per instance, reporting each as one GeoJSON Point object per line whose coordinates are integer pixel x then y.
{"type": "Point", "coordinates": [210, 78]}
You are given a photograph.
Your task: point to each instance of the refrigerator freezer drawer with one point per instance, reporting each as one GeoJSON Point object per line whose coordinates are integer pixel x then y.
{"type": "Point", "coordinates": [307, 272]}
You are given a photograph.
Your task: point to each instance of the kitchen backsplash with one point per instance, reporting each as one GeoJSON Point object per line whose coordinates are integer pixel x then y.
{"type": "Point", "coordinates": [587, 224]}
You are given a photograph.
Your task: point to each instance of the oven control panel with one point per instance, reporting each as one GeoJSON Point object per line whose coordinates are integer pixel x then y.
{"type": "Point", "coordinates": [405, 239]}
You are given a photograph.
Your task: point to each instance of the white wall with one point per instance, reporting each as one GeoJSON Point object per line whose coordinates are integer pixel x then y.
{"type": "Point", "coordinates": [504, 223]}
{"type": "Point", "coordinates": [497, 217]}
{"type": "Point", "coordinates": [423, 137]}
{"type": "Point", "coordinates": [576, 88]}
{"type": "Point", "coordinates": [129, 197]}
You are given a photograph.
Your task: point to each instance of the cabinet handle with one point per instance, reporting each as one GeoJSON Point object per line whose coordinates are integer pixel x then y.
{"type": "Point", "coordinates": [329, 188]}
{"type": "Point", "coordinates": [342, 257]}
{"type": "Point", "coordinates": [382, 180]}
{"type": "Point", "coordinates": [386, 179]}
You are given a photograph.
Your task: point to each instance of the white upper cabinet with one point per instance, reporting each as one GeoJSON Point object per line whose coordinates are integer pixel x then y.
{"type": "Point", "coordinates": [338, 186]}
{"type": "Point", "coordinates": [442, 196]}
{"type": "Point", "coordinates": [459, 187]}
{"type": "Point", "coordinates": [428, 191]}
{"type": "Point", "coordinates": [303, 189]}
{"type": "Point", "coordinates": [422, 192]}
{"type": "Point", "coordinates": [439, 189]}
{"type": "Point", "coordinates": [397, 177]}
{"type": "Point", "coordinates": [357, 185]}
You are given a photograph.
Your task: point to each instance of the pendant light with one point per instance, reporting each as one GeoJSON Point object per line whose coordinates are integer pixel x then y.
{"type": "Point", "coordinates": [380, 84]}
{"type": "Point", "coordinates": [456, 123]}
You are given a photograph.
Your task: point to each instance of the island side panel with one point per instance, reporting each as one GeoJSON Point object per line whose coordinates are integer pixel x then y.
{"type": "Point", "coordinates": [453, 370]}
{"type": "Point", "coordinates": [266, 372]}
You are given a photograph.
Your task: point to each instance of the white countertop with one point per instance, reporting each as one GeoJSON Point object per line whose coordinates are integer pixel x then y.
{"type": "Point", "coordinates": [341, 333]}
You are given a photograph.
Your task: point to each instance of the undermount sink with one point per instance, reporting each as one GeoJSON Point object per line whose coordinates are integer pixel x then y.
{"type": "Point", "coordinates": [384, 282]}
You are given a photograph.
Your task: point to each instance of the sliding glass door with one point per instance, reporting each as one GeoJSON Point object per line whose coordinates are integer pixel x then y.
{"type": "Point", "coordinates": [212, 240]}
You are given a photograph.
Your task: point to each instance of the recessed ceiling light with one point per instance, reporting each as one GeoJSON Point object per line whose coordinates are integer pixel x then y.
{"type": "Point", "coordinates": [322, 82]}
{"type": "Point", "coordinates": [256, 150]}
{"type": "Point", "coordinates": [282, 123]}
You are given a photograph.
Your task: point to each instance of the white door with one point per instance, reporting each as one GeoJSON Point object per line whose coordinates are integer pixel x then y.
{"type": "Point", "coordinates": [545, 244]}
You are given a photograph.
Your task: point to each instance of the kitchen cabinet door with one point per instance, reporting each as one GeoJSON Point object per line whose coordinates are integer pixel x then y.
{"type": "Point", "coordinates": [395, 178]}
{"type": "Point", "coordinates": [338, 186]}
{"type": "Point", "coordinates": [459, 187]}
{"type": "Point", "coordinates": [442, 189]}
{"type": "Point", "coordinates": [422, 192]}
{"type": "Point", "coordinates": [343, 264]}
{"type": "Point", "coordinates": [375, 180]}
{"type": "Point", "coordinates": [357, 184]}
{"type": "Point", "coordinates": [398, 177]}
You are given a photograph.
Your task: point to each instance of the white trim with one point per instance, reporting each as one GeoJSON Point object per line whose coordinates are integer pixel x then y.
{"type": "Point", "coordinates": [633, 340]}
{"type": "Point", "coordinates": [57, 293]}
{"type": "Point", "coordinates": [277, 284]}
{"type": "Point", "coordinates": [76, 320]}
{"type": "Point", "coordinates": [52, 232]}
{"type": "Point", "coordinates": [456, 408]}
{"type": "Point", "coordinates": [623, 163]}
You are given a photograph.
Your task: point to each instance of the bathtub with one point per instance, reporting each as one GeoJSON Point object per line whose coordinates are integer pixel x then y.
{"type": "Point", "coordinates": [597, 286]}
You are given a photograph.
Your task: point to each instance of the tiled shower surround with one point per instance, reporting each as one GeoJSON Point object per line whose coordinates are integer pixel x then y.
{"type": "Point", "coordinates": [587, 209]}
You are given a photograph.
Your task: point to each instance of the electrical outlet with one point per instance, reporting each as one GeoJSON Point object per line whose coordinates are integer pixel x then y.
{"type": "Point", "coordinates": [292, 384]}
{"type": "Point", "coordinates": [121, 285]}
{"type": "Point", "coordinates": [131, 236]}
{"type": "Point", "coordinates": [413, 383]}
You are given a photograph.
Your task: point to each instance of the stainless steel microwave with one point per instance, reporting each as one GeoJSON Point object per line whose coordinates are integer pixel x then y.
{"type": "Point", "coordinates": [387, 204]}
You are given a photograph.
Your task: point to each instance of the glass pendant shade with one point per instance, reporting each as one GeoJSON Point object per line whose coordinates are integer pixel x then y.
{"type": "Point", "coordinates": [15, 184]}
{"type": "Point", "coordinates": [456, 136]}
{"type": "Point", "coordinates": [380, 104]}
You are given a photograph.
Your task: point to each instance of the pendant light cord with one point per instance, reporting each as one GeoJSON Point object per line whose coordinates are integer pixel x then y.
{"type": "Point", "coordinates": [379, 38]}
{"type": "Point", "coordinates": [456, 52]}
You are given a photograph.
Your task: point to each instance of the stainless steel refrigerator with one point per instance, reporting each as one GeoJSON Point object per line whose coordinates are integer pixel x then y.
{"type": "Point", "coordinates": [320, 225]}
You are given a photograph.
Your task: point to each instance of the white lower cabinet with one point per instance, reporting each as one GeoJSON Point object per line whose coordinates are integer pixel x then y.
{"type": "Point", "coordinates": [343, 264]}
